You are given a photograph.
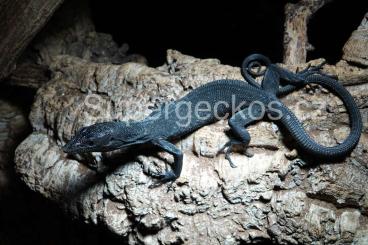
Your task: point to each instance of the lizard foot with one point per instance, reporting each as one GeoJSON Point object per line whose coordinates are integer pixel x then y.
{"type": "Point", "coordinates": [317, 69]}
{"type": "Point", "coordinates": [167, 177]}
{"type": "Point", "coordinates": [229, 145]}
{"type": "Point", "coordinates": [311, 69]}
{"type": "Point", "coordinates": [163, 178]}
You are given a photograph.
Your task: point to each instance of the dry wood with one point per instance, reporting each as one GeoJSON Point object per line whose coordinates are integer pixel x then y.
{"type": "Point", "coordinates": [20, 21]}
{"type": "Point", "coordinates": [297, 16]}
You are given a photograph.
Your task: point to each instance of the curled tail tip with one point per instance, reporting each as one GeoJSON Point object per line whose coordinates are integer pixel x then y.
{"type": "Point", "coordinates": [256, 57]}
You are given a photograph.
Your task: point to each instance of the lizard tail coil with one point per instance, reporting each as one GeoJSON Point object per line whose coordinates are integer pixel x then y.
{"type": "Point", "coordinates": [306, 142]}
{"type": "Point", "coordinates": [254, 61]}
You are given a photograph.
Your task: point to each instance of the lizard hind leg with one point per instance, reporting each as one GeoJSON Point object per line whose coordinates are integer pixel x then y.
{"type": "Point", "coordinates": [169, 175]}
{"type": "Point", "coordinates": [316, 69]}
{"type": "Point", "coordinates": [237, 123]}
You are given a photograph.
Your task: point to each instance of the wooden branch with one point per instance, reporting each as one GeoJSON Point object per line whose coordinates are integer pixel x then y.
{"type": "Point", "coordinates": [29, 75]}
{"type": "Point", "coordinates": [356, 48]}
{"type": "Point", "coordinates": [209, 192]}
{"type": "Point", "coordinates": [13, 128]}
{"type": "Point", "coordinates": [20, 21]}
{"type": "Point", "coordinates": [297, 16]}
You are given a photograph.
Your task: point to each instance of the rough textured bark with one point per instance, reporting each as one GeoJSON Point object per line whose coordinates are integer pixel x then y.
{"type": "Point", "coordinates": [13, 126]}
{"type": "Point", "coordinates": [297, 16]}
{"type": "Point", "coordinates": [20, 21]}
{"type": "Point", "coordinates": [269, 197]}
{"type": "Point", "coordinates": [29, 75]}
{"type": "Point", "coordinates": [356, 48]}
{"type": "Point", "coordinates": [348, 74]}
{"type": "Point", "coordinates": [70, 32]}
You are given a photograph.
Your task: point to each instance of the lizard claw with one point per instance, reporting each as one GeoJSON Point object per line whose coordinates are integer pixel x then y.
{"type": "Point", "coordinates": [310, 70]}
{"type": "Point", "coordinates": [304, 70]}
{"type": "Point", "coordinates": [168, 176]}
{"type": "Point", "coordinates": [227, 157]}
{"type": "Point", "coordinates": [229, 145]}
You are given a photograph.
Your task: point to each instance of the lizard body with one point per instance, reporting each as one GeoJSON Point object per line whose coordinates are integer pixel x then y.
{"type": "Point", "coordinates": [212, 102]}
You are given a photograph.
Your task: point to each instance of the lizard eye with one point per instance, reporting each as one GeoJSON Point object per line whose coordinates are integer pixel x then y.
{"type": "Point", "coordinates": [89, 142]}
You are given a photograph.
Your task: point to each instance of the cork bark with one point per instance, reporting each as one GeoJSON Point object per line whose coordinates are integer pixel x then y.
{"type": "Point", "coordinates": [21, 21]}
{"type": "Point", "coordinates": [269, 197]}
{"type": "Point", "coordinates": [297, 16]}
{"type": "Point", "coordinates": [356, 48]}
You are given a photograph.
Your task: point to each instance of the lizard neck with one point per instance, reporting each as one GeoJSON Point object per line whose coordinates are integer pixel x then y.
{"type": "Point", "coordinates": [134, 132]}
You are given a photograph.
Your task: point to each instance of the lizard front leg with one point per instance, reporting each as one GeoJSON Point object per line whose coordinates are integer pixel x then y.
{"type": "Point", "coordinates": [237, 123]}
{"type": "Point", "coordinates": [178, 160]}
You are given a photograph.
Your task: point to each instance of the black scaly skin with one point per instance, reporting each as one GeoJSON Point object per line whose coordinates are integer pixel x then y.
{"type": "Point", "coordinates": [169, 121]}
{"type": "Point", "coordinates": [294, 81]}
{"type": "Point", "coordinates": [306, 143]}
{"type": "Point", "coordinates": [292, 124]}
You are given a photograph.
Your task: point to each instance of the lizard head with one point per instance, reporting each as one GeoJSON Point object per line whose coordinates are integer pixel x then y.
{"type": "Point", "coordinates": [106, 136]}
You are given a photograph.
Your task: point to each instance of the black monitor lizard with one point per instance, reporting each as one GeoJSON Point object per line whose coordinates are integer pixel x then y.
{"type": "Point", "coordinates": [214, 101]}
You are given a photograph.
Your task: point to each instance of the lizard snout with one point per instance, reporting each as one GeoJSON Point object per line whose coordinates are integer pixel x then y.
{"type": "Point", "coordinates": [70, 147]}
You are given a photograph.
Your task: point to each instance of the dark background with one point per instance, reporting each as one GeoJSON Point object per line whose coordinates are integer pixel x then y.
{"type": "Point", "coordinates": [228, 31]}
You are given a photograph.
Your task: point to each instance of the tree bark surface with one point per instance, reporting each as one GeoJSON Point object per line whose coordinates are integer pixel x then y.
{"type": "Point", "coordinates": [269, 197]}
{"type": "Point", "coordinates": [297, 16]}
{"type": "Point", "coordinates": [21, 21]}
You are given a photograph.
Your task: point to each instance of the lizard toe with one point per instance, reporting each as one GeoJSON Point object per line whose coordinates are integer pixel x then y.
{"type": "Point", "coordinates": [232, 164]}
{"type": "Point", "coordinates": [229, 145]}
{"type": "Point", "coordinates": [167, 176]}
{"type": "Point", "coordinates": [163, 178]}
